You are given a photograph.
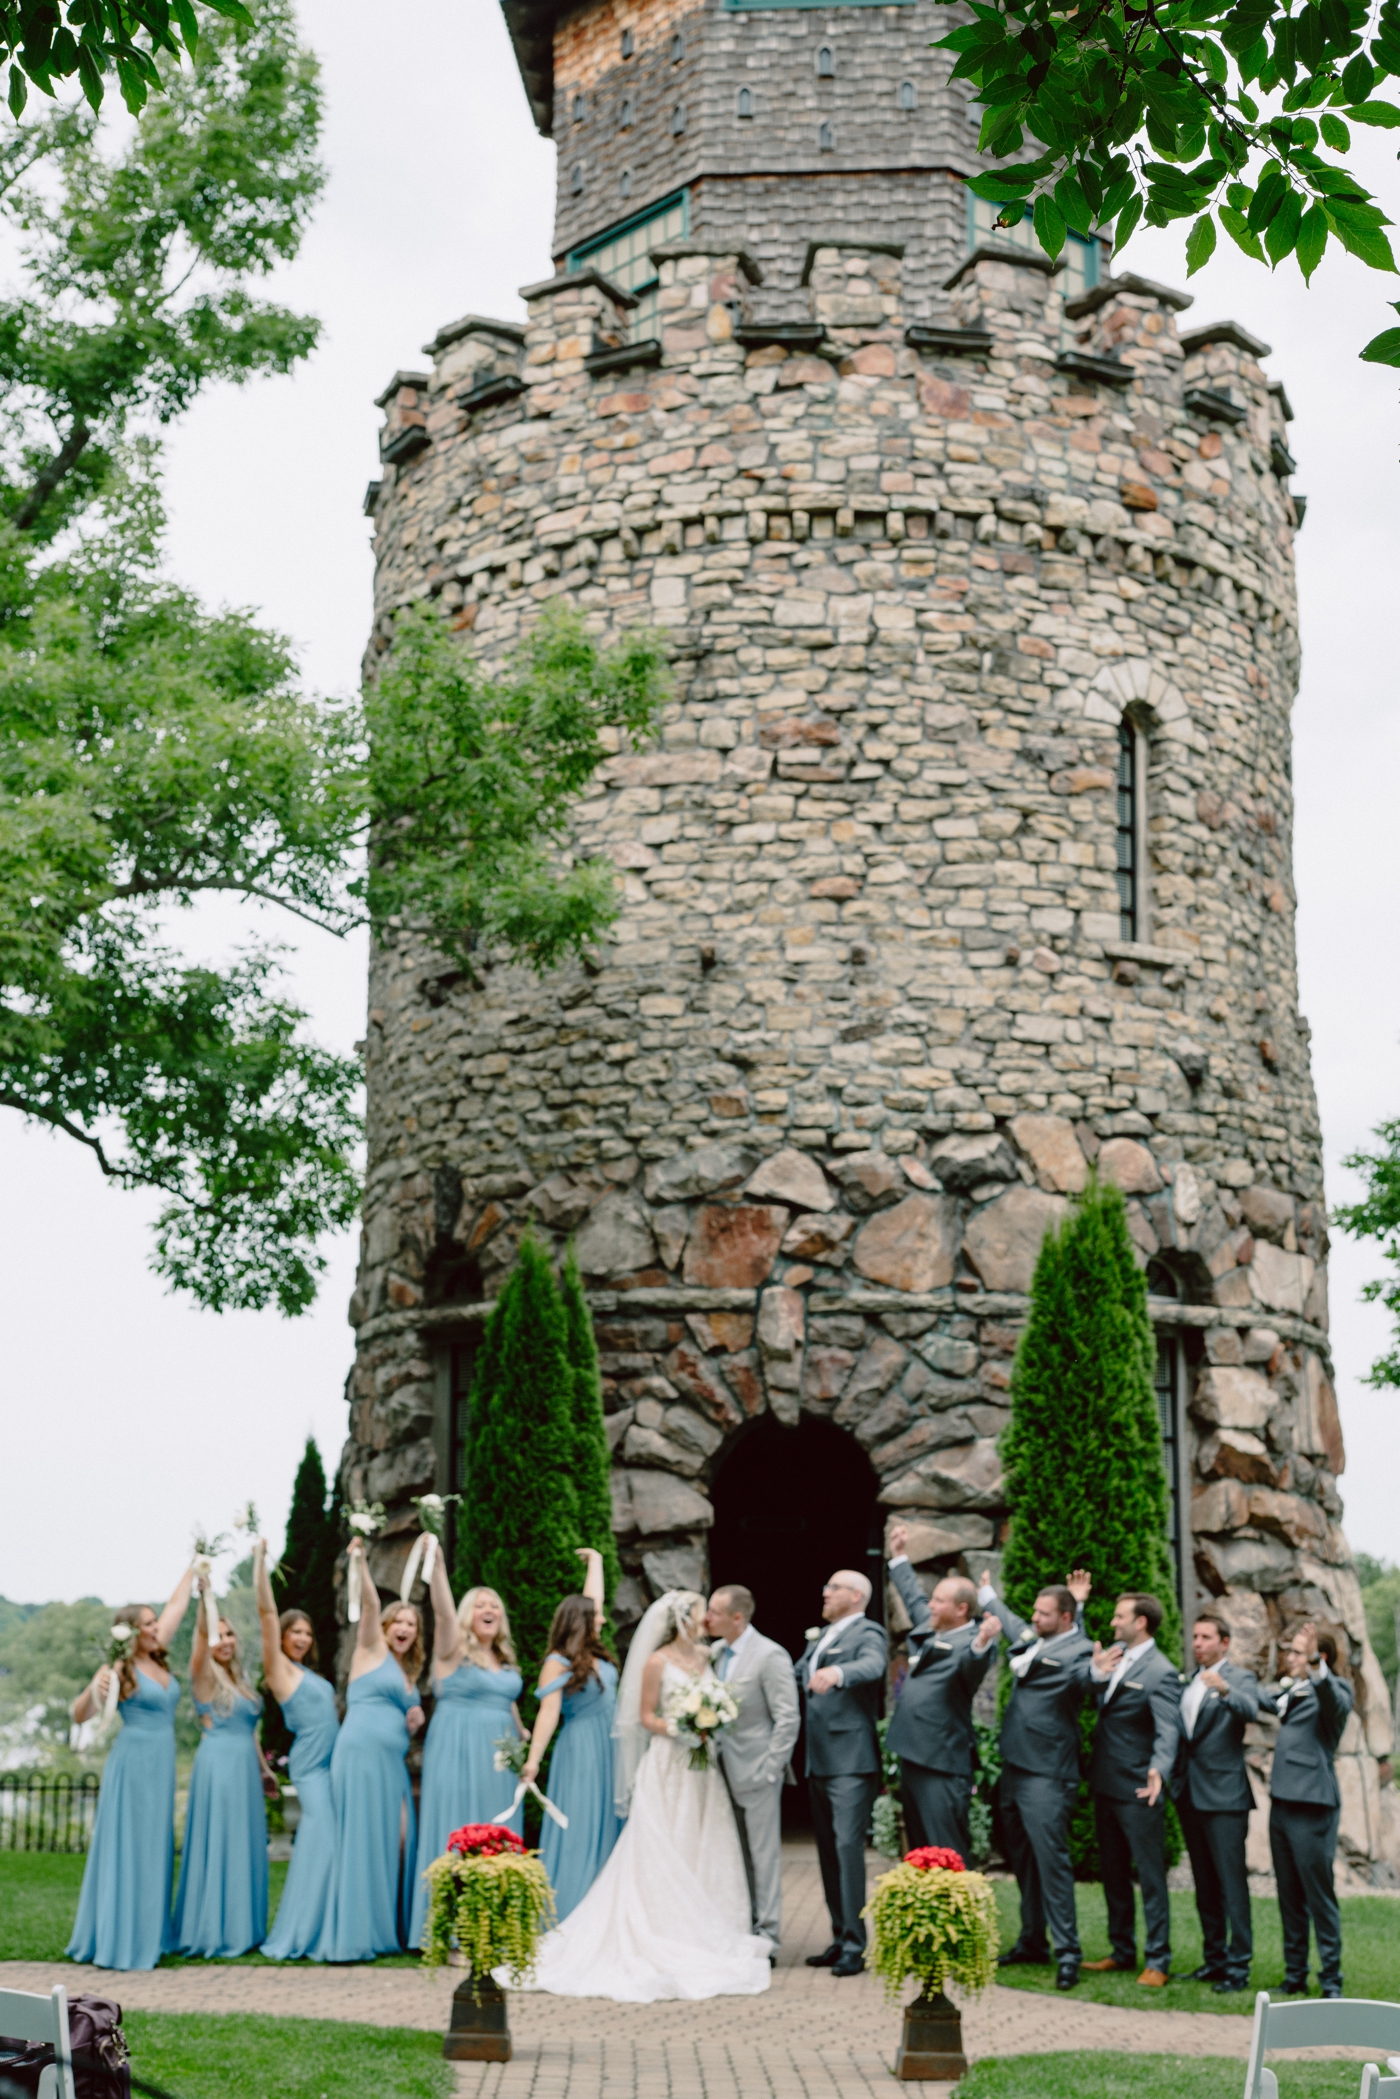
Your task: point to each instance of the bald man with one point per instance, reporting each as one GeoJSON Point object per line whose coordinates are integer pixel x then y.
{"type": "Point", "coordinates": [931, 1732]}
{"type": "Point", "coordinates": [842, 1675]}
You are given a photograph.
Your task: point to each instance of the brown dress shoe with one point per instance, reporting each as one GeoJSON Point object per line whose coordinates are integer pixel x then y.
{"type": "Point", "coordinates": [1153, 1979]}
{"type": "Point", "coordinates": [1108, 1967]}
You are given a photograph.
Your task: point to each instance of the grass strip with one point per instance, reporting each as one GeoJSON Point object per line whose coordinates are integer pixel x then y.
{"type": "Point", "coordinates": [236, 2056]}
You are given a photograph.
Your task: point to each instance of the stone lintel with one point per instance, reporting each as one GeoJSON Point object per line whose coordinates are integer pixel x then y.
{"type": "Point", "coordinates": [473, 324]}
{"type": "Point", "coordinates": [575, 280]}
{"type": "Point", "coordinates": [1224, 332]}
{"type": "Point", "coordinates": [814, 248]}
{"type": "Point", "coordinates": [1140, 288]}
{"type": "Point", "coordinates": [1002, 251]}
{"type": "Point", "coordinates": [421, 380]}
{"type": "Point", "coordinates": [1143, 951]}
{"type": "Point", "coordinates": [678, 251]}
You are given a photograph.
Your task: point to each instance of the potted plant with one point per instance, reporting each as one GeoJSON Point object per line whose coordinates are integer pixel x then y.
{"type": "Point", "coordinates": [937, 1922]}
{"type": "Point", "coordinates": [489, 1899]}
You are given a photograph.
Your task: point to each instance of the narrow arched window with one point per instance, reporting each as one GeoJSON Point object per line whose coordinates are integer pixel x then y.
{"type": "Point", "coordinates": [744, 104]}
{"type": "Point", "coordinates": [627, 45]}
{"type": "Point", "coordinates": [678, 120]}
{"type": "Point", "coordinates": [580, 109]}
{"type": "Point", "coordinates": [1132, 913]}
{"type": "Point", "coordinates": [625, 183]}
{"type": "Point", "coordinates": [826, 64]}
{"type": "Point", "coordinates": [826, 139]}
{"type": "Point", "coordinates": [677, 47]}
{"type": "Point", "coordinates": [624, 116]}
{"type": "Point", "coordinates": [906, 94]}
{"type": "Point", "coordinates": [576, 179]}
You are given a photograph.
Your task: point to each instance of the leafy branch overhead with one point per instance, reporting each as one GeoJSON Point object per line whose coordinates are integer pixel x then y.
{"type": "Point", "coordinates": [92, 39]}
{"type": "Point", "coordinates": [1377, 1216]}
{"type": "Point", "coordinates": [1230, 115]}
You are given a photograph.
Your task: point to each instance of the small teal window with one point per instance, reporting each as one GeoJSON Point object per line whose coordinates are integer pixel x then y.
{"type": "Point", "coordinates": [1081, 257]}
{"type": "Point", "coordinates": [622, 254]}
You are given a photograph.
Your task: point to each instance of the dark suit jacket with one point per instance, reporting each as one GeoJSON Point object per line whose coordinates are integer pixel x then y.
{"type": "Point", "coordinates": [1210, 1774]}
{"type": "Point", "coordinates": [841, 1736]}
{"type": "Point", "coordinates": [1040, 1730]}
{"type": "Point", "coordinates": [932, 1722]}
{"type": "Point", "coordinates": [1138, 1727]}
{"type": "Point", "coordinates": [1311, 1718]}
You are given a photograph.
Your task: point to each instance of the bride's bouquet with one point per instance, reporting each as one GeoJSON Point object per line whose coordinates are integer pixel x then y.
{"type": "Point", "coordinates": [697, 1714]}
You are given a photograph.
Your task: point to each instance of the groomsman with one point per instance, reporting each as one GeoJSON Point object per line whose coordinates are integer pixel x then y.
{"type": "Point", "coordinates": [842, 1676]}
{"type": "Point", "coordinates": [1213, 1798]}
{"type": "Point", "coordinates": [1050, 1660]}
{"type": "Point", "coordinates": [931, 1732]}
{"type": "Point", "coordinates": [754, 1752]}
{"type": "Point", "coordinates": [1313, 1707]}
{"type": "Point", "coordinates": [1135, 1744]}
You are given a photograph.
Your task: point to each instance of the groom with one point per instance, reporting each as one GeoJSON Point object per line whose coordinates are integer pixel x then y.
{"type": "Point", "coordinates": [754, 1752]}
{"type": "Point", "coordinates": [842, 1675]}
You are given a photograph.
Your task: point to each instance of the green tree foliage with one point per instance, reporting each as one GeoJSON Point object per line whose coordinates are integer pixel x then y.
{"type": "Point", "coordinates": [1380, 1593]}
{"type": "Point", "coordinates": [1221, 111]}
{"type": "Point", "coordinates": [47, 1653]}
{"type": "Point", "coordinates": [520, 1530]}
{"type": "Point", "coordinates": [472, 779]}
{"type": "Point", "coordinates": [304, 1578]}
{"type": "Point", "coordinates": [592, 1458]}
{"type": "Point", "coordinates": [90, 39]}
{"type": "Point", "coordinates": [1377, 1216]}
{"type": "Point", "coordinates": [1085, 1482]}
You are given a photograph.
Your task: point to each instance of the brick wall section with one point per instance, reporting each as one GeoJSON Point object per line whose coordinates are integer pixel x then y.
{"type": "Point", "coordinates": [866, 1017]}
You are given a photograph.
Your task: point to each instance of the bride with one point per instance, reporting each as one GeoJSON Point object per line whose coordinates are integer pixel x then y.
{"type": "Point", "coordinates": [668, 1916]}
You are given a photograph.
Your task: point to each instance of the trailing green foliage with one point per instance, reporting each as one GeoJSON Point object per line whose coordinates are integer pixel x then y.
{"type": "Point", "coordinates": [938, 1926]}
{"type": "Point", "coordinates": [496, 1909]}
{"type": "Point", "coordinates": [1146, 113]}
{"type": "Point", "coordinates": [520, 1529]}
{"type": "Point", "coordinates": [1380, 1594]}
{"type": "Point", "coordinates": [472, 779]}
{"type": "Point", "coordinates": [1377, 1216]}
{"type": "Point", "coordinates": [592, 1458]}
{"type": "Point", "coordinates": [304, 1578]}
{"type": "Point", "coordinates": [47, 43]}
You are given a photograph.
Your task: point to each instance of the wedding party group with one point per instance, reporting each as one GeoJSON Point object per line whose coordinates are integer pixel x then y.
{"type": "Point", "coordinates": [661, 1834]}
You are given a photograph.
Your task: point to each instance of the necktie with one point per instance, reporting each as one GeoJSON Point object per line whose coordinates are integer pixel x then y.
{"type": "Point", "coordinates": [722, 1666]}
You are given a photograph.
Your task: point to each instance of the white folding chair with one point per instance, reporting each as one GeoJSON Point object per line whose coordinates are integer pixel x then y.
{"type": "Point", "coordinates": [1374, 2086]}
{"type": "Point", "coordinates": [27, 2017]}
{"type": "Point", "coordinates": [1337, 2022]}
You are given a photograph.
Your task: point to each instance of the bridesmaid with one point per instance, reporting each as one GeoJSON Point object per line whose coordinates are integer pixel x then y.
{"type": "Point", "coordinates": [369, 1782]}
{"type": "Point", "coordinates": [290, 1664]}
{"type": "Point", "coordinates": [124, 1910]}
{"type": "Point", "coordinates": [578, 1685]}
{"type": "Point", "coordinates": [476, 1683]}
{"type": "Point", "coordinates": [221, 1903]}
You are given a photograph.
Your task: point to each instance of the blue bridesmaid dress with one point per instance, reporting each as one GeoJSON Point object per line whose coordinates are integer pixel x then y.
{"type": "Point", "coordinates": [124, 1909]}
{"type": "Point", "coordinates": [581, 1787]}
{"type": "Point", "coordinates": [304, 1911]}
{"type": "Point", "coordinates": [460, 1779]}
{"type": "Point", "coordinates": [221, 1902]}
{"type": "Point", "coordinates": [374, 1820]}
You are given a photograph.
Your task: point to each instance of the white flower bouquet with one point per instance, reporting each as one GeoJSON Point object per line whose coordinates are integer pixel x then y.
{"type": "Point", "coordinates": [697, 1714]}
{"type": "Point", "coordinates": [364, 1518]}
{"type": "Point", "coordinates": [512, 1754]}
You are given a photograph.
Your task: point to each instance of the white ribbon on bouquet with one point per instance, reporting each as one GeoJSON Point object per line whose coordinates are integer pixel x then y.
{"type": "Point", "coordinates": [421, 1560]}
{"type": "Point", "coordinates": [205, 1566]}
{"type": "Point", "coordinates": [108, 1714]}
{"type": "Point", "coordinates": [354, 1582]}
{"type": "Point", "coordinates": [527, 1785]}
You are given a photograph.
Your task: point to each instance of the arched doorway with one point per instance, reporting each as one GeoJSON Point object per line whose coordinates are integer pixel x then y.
{"type": "Point", "coordinates": [791, 1506]}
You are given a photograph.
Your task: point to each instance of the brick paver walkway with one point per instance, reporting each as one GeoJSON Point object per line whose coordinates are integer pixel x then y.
{"type": "Point", "coordinates": [808, 2037]}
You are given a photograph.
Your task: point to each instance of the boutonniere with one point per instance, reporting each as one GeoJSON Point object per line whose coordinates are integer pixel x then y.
{"type": "Point", "coordinates": [813, 1632]}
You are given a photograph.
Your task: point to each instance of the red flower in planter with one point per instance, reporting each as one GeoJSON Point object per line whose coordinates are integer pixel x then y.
{"type": "Point", "coordinates": [483, 1840]}
{"type": "Point", "coordinates": [930, 1855]}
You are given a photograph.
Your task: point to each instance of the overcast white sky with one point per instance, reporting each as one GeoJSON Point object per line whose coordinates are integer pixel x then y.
{"type": "Point", "coordinates": [129, 1416]}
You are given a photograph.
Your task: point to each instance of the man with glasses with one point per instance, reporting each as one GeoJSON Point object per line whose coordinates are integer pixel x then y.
{"type": "Point", "coordinates": [842, 1675]}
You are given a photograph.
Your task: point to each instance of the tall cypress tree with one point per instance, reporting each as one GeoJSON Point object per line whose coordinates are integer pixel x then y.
{"type": "Point", "coordinates": [1085, 1481]}
{"type": "Point", "coordinates": [520, 1529]}
{"type": "Point", "coordinates": [592, 1458]}
{"type": "Point", "coordinates": [305, 1579]}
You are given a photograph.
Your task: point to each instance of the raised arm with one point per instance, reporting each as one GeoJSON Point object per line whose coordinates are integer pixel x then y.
{"type": "Point", "coordinates": [447, 1633]}
{"type": "Point", "coordinates": [280, 1675]}
{"type": "Point", "coordinates": [1334, 1698]}
{"type": "Point", "coordinates": [170, 1620]}
{"type": "Point", "coordinates": [201, 1670]}
{"type": "Point", "coordinates": [911, 1595]}
{"type": "Point", "coordinates": [593, 1581]}
{"type": "Point", "coordinates": [370, 1643]}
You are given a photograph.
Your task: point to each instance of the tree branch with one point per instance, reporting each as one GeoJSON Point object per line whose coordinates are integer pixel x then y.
{"type": "Point", "coordinates": [127, 892]}
{"type": "Point", "coordinates": [58, 469]}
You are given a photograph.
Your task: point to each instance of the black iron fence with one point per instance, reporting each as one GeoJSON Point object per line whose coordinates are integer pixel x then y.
{"type": "Point", "coordinates": [47, 1811]}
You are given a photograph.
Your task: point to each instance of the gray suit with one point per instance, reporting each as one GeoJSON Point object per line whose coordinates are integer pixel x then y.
{"type": "Point", "coordinates": [1040, 1781]}
{"type": "Point", "coordinates": [1303, 1817]}
{"type": "Point", "coordinates": [843, 1766]}
{"type": "Point", "coordinates": [931, 1732]}
{"type": "Point", "coordinates": [1213, 1798]}
{"type": "Point", "coordinates": [753, 1756]}
{"type": "Point", "coordinates": [1138, 1730]}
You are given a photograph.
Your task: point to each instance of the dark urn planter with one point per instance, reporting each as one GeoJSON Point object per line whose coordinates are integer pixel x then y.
{"type": "Point", "coordinates": [479, 2032]}
{"type": "Point", "coordinates": [931, 2043]}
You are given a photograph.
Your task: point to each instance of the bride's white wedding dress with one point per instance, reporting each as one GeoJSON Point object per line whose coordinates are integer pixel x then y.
{"type": "Point", "coordinates": [669, 1915]}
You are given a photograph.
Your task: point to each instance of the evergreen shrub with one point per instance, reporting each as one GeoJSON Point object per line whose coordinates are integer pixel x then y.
{"type": "Point", "coordinates": [592, 1458]}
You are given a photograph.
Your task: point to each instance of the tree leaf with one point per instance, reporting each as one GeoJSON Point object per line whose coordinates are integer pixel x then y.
{"type": "Point", "coordinates": [1383, 348]}
{"type": "Point", "coordinates": [1049, 225]}
{"type": "Point", "coordinates": [1200, 244]}
{"type": "Point", "coordinates": [1238, 229]}
{"type": "Point", "coordinates": [1334, 133]}
{"type": "Point", "coordinates": [1127, 222]}
{"type": "Point", "coordinates": [19, 91]}
{"type": "Point", "coordinates": [1312, 240]}
{"type": "Point", "coordinates": [1366, 242]}
{"type": "Point", "coordinates": [1383, 115]}
{"type": "Point", "coordinates": [1281, 234]}
{"type": "Point", "coordinates": [1358, 78]}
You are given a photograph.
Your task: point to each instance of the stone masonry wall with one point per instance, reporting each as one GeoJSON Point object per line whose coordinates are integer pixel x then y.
{"type": "Point", "coordinates": [867, 1015]}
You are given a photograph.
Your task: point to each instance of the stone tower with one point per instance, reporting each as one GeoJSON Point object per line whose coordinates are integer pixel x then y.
{"type": "Point", "coordinates": [964, 860]}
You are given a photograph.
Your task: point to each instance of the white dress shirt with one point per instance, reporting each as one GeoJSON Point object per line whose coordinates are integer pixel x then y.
{"type": "Point", "coordinates": [1020, 1663]}
{"type": "Point", "coordinates": [837, 1626]}
{"type": "Point", "coordinates": [1192, 1699]}
{"type": "Point", "coordinates": [725, 1666]}
{"type": "Point", "coordinates": [1130, 1660]}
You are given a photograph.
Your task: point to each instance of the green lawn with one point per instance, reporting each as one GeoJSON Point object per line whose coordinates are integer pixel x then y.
{"type": "Point", "coordinates": [1370, 1953]}
{"type": "Point", "coordinates": [258, 2058]}
{"type": "Point", "coordinates": [1102, 2076]}
{"type": "Point", "coordinates": [39, 1899]}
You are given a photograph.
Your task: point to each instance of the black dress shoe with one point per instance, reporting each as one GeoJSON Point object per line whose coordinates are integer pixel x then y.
{"type": "Point", "coordinates": [1205, 1973]}
{"type": "Point", "coordinates": [1227, 1986]}
{"type": "Point", "coordinates": [1068, 1976]}
{"type": "Point", "coordinates": [1294, 1988]}
{"type": "Point", "coordinates": [1334, 1992]}
{"type": "Point", "coordinates": [849, 1964]}
{"type": "Point", "coordinates": [1019, 1957]}
{"type": "Point", "coordinates": [825, 1960]}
